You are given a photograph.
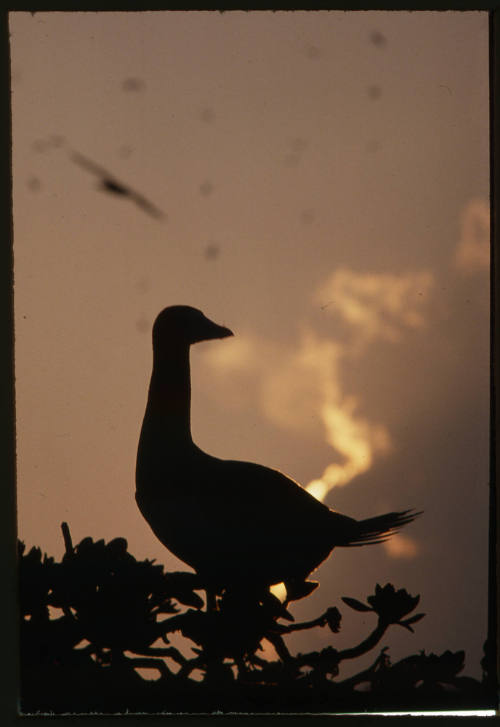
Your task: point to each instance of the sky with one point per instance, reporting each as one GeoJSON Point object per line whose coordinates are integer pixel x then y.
{"type": "Point", "coordinates": [316, 181]}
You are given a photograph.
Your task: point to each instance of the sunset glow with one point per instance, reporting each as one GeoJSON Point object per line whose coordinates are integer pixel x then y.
{"type": "Point", "coordinates": [355, 439]}
{"type": "Point", "coordinates": [324, 179]}
{"type": "Point", "coordinates": [377, 305]}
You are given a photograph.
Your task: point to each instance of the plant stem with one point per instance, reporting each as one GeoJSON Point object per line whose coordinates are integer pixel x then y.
{"type": "Point", "coordinates": [68, 543]}
{"type": "Point", "coordinates": [367, 644]}
{"type": "Point", "coordinates": [320, 621]}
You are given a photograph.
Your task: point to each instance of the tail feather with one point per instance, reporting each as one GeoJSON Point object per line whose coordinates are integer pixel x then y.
{"type": "Point", "coordinates": [380, 528]}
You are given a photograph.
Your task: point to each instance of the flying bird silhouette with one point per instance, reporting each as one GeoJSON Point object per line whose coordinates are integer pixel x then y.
{"type": "Point", "coordinates": [240, 525]}
{"type": "Point", "coordinates": [109, 183]}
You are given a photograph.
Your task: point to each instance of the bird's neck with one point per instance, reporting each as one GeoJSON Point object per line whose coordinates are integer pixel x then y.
{"type": "Point", "coordinates": [169, 398]}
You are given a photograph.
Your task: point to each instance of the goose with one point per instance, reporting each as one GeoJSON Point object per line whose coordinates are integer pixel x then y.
{"type": "Point", "coordinates": [239, 525]}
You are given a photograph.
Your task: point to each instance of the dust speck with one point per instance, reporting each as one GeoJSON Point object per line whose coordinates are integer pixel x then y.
{"type": "Point", "coordinates": [212, 251]}
{"type": "Point", "coordinates": [34, 184]}
{"type": "Point", "coordinates": [40, 145]}
{"type": "Point", "coordinates": [125, 151]}
{"type": "Point", "coordinates": [56, 140]}
{"type": "Point", "coordinates": [143, 285]}
{"type": "Point", "coordinates": [374, 92]}
{"type": "Point", "coordinates": [312, 52]}
{"type": "Point", "coordinates": [206, 188]}
{"type": "Point", "coordinates": [378, 38]}
{"type": "Point", "coordinates": [307, 217]}
{"type": "Point", "coordinates": [142, 324]}
{"type": "Point", "coordinates": [133, 84]}
{"type": "Point", "coordinates": [298, 145]}
{"type": "Point", "coordinates": [442, 85]}
{"type": "Point", "coordinates": [372, 146]}
{"type": "Point", "coordinates": [207, 115]}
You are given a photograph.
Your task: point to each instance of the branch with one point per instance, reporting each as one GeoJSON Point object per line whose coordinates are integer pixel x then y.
{"type": "Point", "coordinates": [365, 675]}
{"type": "Point", "coordinates": [171, 651]}
{"type": "Point", "coordinates": [320, 621]}
{"type": "Point", "coordinates": [189, 665]}
{"type": "Point", "coordinates": [175, 623]}
{"type": "Point", "coordinates": [68, 544]}
{"type": "Point", "coordinates": [367, 644]}
{"type": "Point", "coordinates": [151, 663]}
{"type": "Point", "coordinates": [280, 647]}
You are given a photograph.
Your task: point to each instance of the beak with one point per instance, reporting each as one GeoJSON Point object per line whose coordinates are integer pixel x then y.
{"type": "Point", "coordinates": [225, 332]}
{"type": "Point", "coordinates": [216, 331]}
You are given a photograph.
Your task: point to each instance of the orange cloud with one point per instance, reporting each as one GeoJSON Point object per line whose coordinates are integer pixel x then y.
{"type": "Point", "coordinates": [376, 305]}
{"type": "Point", "coordinates": [472, 254]}
{"type": "Point", "coordinates": [237, 367]}
{"type": "Point", "coordinates": [306, 391]}
{"type": "Point", "coordinates": [356, 439]}
{"type": "Point", "coordinates": [301, 388]}
{"type": "Point", "coordinates": [295, 387]}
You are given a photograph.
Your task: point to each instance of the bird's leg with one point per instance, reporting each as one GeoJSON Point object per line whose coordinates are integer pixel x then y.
{"type": "Point", "coordinates": [280, 647]}
{"type": "Point", "coordinates": [280, 609]}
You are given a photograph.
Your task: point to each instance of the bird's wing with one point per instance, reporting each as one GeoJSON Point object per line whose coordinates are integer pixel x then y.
{"type": "Point", "coordinates": [266, 520]}
{"type": "Point", "coordinates": [111, 184]}
{"type": "Point", "coordinates": [90, 166]}
{"type": "Point", "coordinates": [146, 205]}
{"type": "Point", "coordinates": [254, 496]}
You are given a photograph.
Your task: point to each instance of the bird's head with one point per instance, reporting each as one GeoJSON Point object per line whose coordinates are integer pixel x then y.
{"type": "Point", "coordinates": [182, 324]}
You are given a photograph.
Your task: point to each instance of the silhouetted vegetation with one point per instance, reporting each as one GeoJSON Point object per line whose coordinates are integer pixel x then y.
{"type": "Point", "coordinates": [90, 621]}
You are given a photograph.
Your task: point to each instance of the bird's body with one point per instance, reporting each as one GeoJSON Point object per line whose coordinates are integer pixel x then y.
{"type": "Point", "coordinates": [238, 524]}
{"type": "Point", "coordinates": [232, 521]}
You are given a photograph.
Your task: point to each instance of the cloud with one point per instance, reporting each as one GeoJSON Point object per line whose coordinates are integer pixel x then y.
{"type": "Point", "coordinates": [238, 368]}
{"type": "Point", "coordinates": [240, 355]}
{"type": "Point", "coordinates": [304, 390]}
{"type": "Point", "coordinates": [355, 438]}
{"type": "Point", "coordinates": [376, 305]}
{"type": "Point", "coordinates": [472, 254]}
{"type": "Point", "coordinates": [299, 386]}
{"type": "Point", "coordinates": [294, 391]}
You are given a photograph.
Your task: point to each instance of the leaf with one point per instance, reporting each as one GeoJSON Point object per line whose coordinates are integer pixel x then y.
{"type": "Point", "coordinates": [355, 604]}
{"type": "Point", "coordinates": [413, 619]}
{"type": "Point", "coordinates": [405, 626]}
{"type": "Point", "coordinates": [333, 619]}
{"type": "Point", "coordinates": [189, 598]}
{"type": "Point", "coordinates": [166, 607]}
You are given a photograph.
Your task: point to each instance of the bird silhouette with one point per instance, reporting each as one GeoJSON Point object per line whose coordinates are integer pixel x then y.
{"type": "Point", "coordinates": [239, 525]}
{"type": "Point", "coordinates": [109, 183]}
